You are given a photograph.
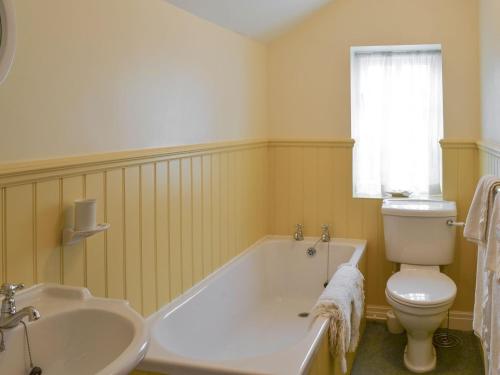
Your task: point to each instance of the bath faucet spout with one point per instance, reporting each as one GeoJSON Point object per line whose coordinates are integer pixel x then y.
{"type": "Point", "coordinates": [298, 235]}
{"type": "Point", "coordinates": [325, 235]}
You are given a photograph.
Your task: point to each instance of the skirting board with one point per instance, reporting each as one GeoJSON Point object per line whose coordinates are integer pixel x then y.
{"type": "Point", "coordinates": [460, 320]}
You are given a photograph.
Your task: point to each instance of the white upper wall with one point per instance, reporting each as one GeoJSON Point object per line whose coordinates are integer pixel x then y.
{"type": "Point", "coordinates": [93, 76]}
{"type": "Point", "coordinates": [259, 19]}
{"type": "Point", "coordinates": [490, 69]}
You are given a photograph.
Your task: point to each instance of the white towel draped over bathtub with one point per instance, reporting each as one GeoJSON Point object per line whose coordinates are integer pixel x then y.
{"type": "Point", "coordinates": [342, 302]}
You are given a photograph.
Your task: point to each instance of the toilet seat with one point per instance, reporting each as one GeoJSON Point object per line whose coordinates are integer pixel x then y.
{"type": "Point", "coordinates": [421, 287]}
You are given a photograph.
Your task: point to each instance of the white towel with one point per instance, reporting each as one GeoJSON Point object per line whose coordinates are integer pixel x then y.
{"type": "Point", "coordinates": [342, 302]}
{"type": "Point", "coordinates": [477, 219]}
{"type": "Point", "coordinates": [492, 347]}
{"type": "Point", "coordinates": [491, 315]}
{"type": "Point", "coordinates": [482, 308]}
{"type": "Point", "coordinates": [492, 243]}
{"type": "Point", "coordinates": [476, 230]}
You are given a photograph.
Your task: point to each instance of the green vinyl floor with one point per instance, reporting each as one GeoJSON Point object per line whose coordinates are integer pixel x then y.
{"type": "Point", "coordinates": [381, 353]}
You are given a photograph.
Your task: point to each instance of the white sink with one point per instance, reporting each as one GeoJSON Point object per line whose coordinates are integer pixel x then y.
{"type": "Point", "coordinates": [77, 334]}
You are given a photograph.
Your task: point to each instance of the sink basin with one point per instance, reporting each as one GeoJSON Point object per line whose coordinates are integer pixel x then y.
{"type": "Point", "coordinates": [77, 334]}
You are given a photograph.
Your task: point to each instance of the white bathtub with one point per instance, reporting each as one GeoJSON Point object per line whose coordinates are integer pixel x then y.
{"type": "Point", "coordinates": [243, 319]}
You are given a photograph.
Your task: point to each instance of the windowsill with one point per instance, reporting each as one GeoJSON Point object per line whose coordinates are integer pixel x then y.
{"type": "Point", "coordinates": [412, 197]}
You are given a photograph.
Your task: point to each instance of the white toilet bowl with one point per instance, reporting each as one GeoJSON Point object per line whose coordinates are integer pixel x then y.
{"type": "Point", "coordinates": [420, 297]}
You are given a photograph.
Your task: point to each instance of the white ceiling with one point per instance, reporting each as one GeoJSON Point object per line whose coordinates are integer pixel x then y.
{"type": "Point", "coordinates": [259, 19]}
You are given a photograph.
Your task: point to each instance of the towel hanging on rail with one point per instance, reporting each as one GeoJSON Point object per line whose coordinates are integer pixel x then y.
{"type": "Point", "coordinates": [481, 224]}
{"type": "Point", "coordinates": [492, 244]}
{"type": "Point", "coordinates": [476, 225]}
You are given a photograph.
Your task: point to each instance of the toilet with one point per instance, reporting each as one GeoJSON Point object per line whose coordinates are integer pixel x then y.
{"type": "Point", "coordinates": [420, 239]}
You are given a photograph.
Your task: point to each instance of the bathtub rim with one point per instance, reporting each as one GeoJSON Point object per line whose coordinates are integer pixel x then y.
{"type": "Point", "coordinates": [157, 356]}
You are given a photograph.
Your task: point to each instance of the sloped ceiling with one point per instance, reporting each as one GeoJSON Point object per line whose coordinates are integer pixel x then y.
{"type": "Point", "coordinates": [259, 19]}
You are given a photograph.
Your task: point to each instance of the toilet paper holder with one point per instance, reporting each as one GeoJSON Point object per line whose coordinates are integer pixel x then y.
{"type": "Point", "coordinates": [81, 220]}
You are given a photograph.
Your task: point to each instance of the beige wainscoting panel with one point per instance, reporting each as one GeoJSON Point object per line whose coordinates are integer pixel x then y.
{"type": "Point", "coordinates": [186, 224]}
{"type": "Point", "coordinates": [170, 209]}
{"type": "Point", "coordinates": [19, 251]}
{"type": "Point", "coordinates": [148, 238]}
{"type": "Point", "coordinates": [489, 158]}
{"type": "Point", "coordinates": [206, 216]}
{"type": "Point", "coordinates": [196, 223]}
{"type": "Point", "coordinates": [115, 236]}
{"type": "Point", "coordinates": [133, 261]}
{"type": "Point", "coordinates": [224, 198]}
{"type": "Point", "coordinates": [311, 184]}
{"type": "Point", "coordinates": [460, 175]}
{"type": "Point", "coordinates": [175, 228]}
{"type": "Point", "coordinates": [48, 231]}
{"type": "Point", "coordinates": [95, 247]}
{"type": "Point", "coordinates": [215, 217]}
{"type": "Point", "coordinates": [162, 235]}
{"type": "Point", "coordinates": [73, 256]}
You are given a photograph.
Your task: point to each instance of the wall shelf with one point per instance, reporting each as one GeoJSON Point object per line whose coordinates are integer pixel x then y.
{"type": "Point", "coordinates": [71, 236]}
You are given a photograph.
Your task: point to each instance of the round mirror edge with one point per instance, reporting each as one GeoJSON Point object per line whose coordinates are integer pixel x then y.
{"type": "Point", "coordinates": [8, 43]}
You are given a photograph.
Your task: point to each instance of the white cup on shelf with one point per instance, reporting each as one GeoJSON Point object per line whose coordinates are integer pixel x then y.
{"type": "Point", "coordinates": [85, 214]}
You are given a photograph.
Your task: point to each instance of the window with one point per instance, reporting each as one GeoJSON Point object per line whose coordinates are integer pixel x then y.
{"type": "Point", "coordinates": [397, 119]}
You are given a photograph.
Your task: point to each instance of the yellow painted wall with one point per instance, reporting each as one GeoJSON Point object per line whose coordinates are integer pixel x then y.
{"type": "Point", "coordinates": [311, 183]}
{"type": "Point", "coordinates": [175, 214]}
{"type": "Point", "coordinates": [309, 70]}
{"type": "Point", "coordinates": [93, 76]}
{"type": "Point", "coordinates": [490, 69]}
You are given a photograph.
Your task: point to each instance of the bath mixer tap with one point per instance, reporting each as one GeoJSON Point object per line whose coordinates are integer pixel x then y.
{"type": "Point", "coordinates": [298, 235]}
{"type": "Point", "coordinates": [325, 233]}
{"type": "Point", "coordinates": [9, 316]}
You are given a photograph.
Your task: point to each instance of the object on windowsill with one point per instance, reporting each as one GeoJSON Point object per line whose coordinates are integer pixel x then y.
{"type": "Point", "coordinates": [399, 193]}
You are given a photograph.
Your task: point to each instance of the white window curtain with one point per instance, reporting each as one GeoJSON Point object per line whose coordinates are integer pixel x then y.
{"type": "Point", "coordinates": [397, 122]}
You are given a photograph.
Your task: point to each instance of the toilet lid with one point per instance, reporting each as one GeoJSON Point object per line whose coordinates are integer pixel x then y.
{"type": "Point", "coordinates": [421, 287]}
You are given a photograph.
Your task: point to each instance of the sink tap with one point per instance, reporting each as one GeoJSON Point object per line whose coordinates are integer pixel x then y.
{"type": "Point", "coordinates": [9, 316]}
{"type": "Point", "coordinates": [325, 233]}
{"type": "Point", "coordinates": [12, 321]}
{"type": "Point", "coordinates": [298, 235]}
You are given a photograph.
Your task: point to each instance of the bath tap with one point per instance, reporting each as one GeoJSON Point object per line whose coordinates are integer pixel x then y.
{"type": "Point", "coordinates": [9, 317]}
{"type": "Point", "coordinates": [298, 235]}
{"type": "Point", "coordinates": [325, 235]}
